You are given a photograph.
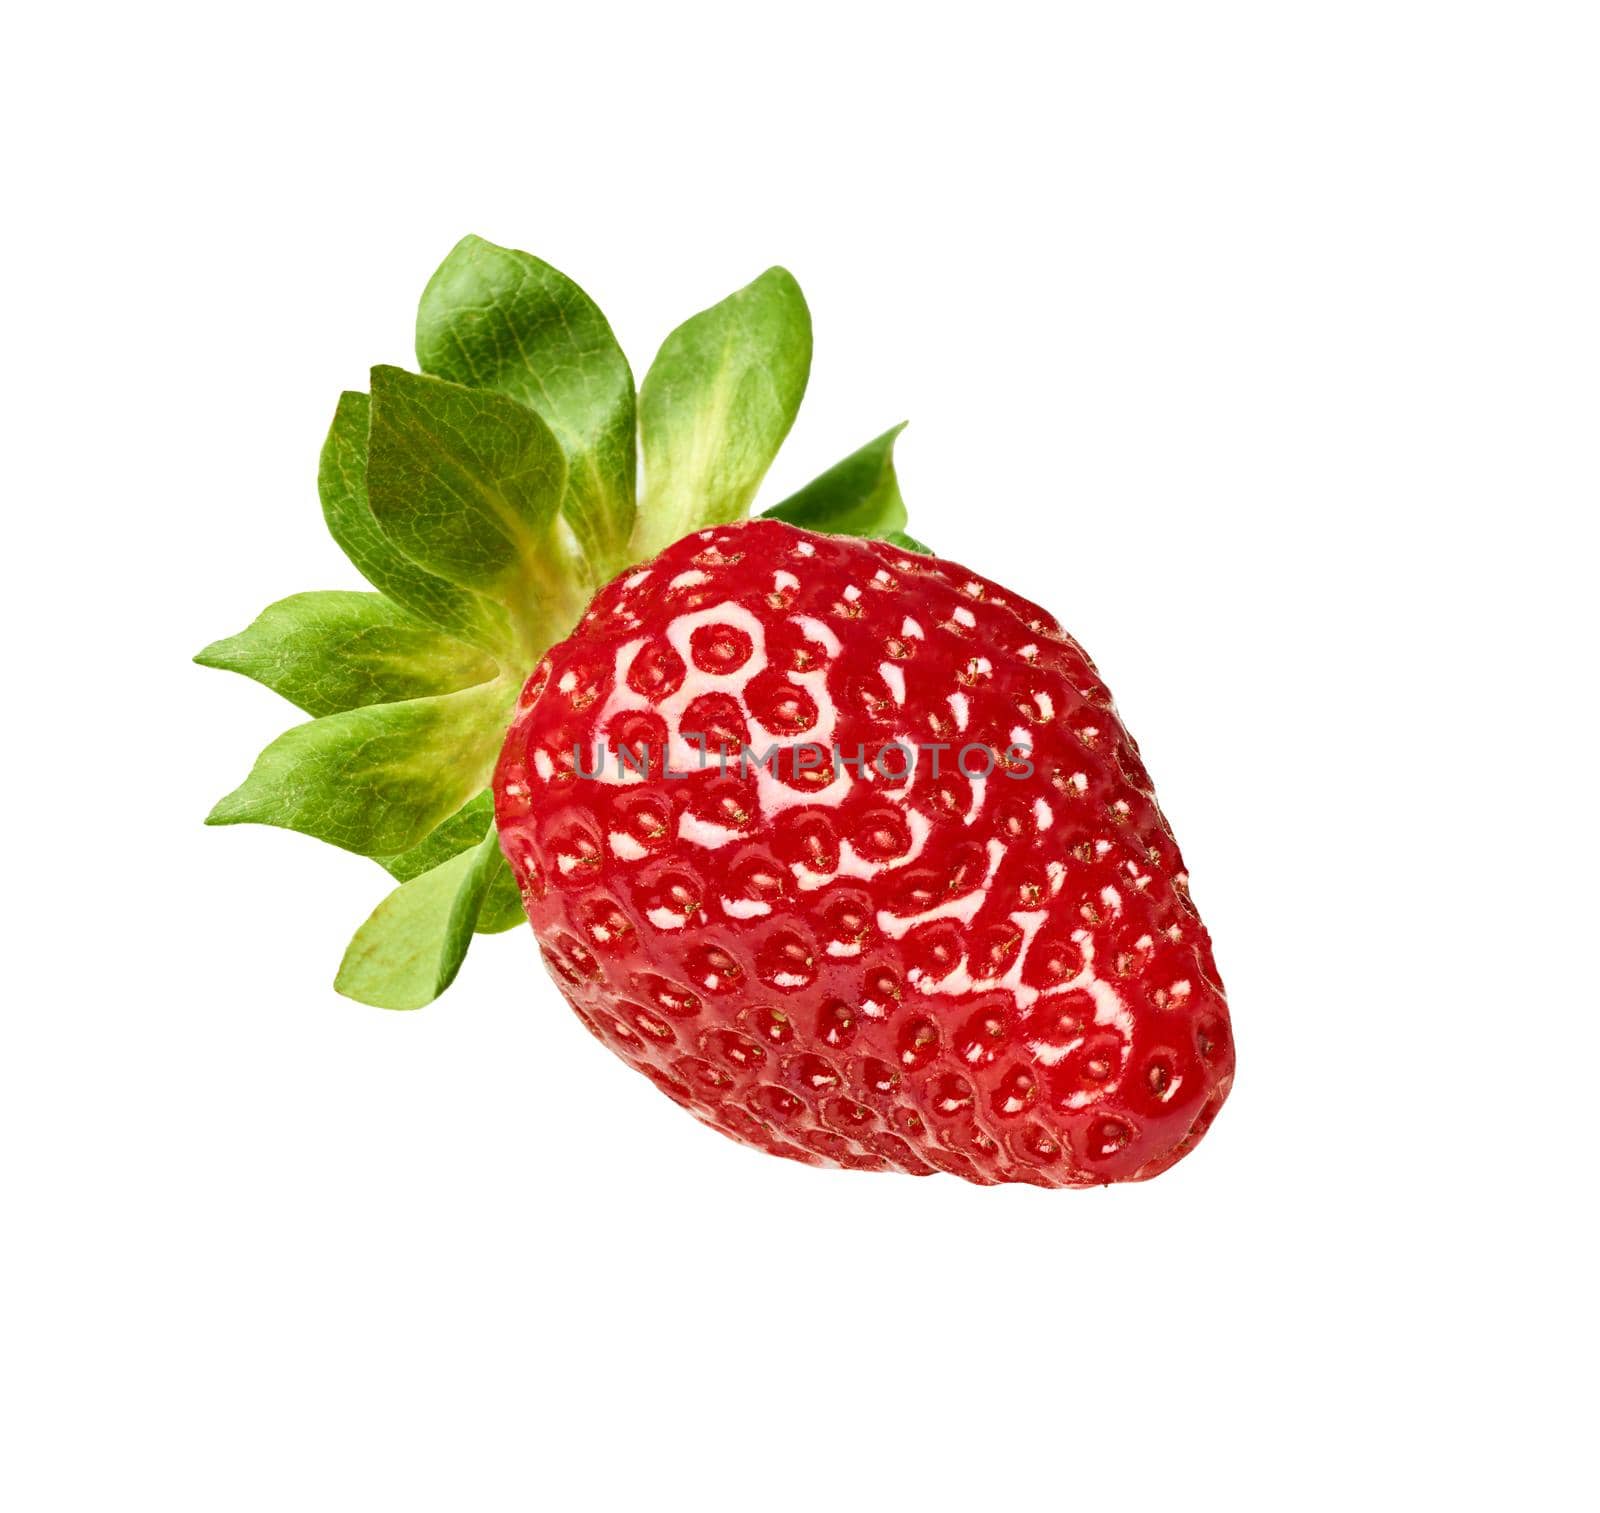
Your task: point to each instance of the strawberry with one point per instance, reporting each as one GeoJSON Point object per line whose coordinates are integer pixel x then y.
{"type": "Point", "coordinates": [943, 925]}
{"type": "Point", "coordinates": [842, 845]}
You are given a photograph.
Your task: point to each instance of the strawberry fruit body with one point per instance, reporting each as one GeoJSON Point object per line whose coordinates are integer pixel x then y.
{"type": "Point", "coordinates": [846, 849]}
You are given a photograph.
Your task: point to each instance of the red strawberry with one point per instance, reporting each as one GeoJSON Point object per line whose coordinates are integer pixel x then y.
{"type": "Point", "coordinates": [988, 965]}
{"type": "Point", "coordinates": [841, 845]}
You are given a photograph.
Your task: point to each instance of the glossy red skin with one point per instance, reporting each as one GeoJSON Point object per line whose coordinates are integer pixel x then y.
{"type": "Point", "coordinates": [809, 1030]}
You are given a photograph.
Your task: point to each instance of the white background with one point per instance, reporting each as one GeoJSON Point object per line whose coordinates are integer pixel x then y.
{"type": "Point", "coordinates": [1257, 341]}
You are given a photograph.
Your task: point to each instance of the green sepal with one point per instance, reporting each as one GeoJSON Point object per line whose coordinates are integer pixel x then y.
{"type": "Point", "coordinates": [412, 945]}
{"type": "Point", "coordinates": [859, 496]}
{"type": "Point", "coordinates": [342, 485]}
{"type": "Point", "coordinates": [469, 484]}
{"type": "Point", "coordinates": [342, 649]}
{"type": "Point", "coordinates": [910, 543]}
{"type": "Point", "coordinates": [716, 405]}
{"type": "Point", "coordinates": [495, 318]}
{"type": "Point", "coordinates": [376, 780]}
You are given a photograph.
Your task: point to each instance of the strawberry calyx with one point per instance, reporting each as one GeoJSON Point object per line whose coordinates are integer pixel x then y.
{"type": "Point", "coordinates": [486, 499]}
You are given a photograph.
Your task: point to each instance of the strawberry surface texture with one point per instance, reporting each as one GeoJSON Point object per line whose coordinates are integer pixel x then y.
{"type": "Point", "coordinates": [847, 850]}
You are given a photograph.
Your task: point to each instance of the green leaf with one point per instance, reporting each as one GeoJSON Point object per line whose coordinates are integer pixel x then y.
{"type": "Point", "coordinates": [857, 497]}
{"type": "Point", "coordinates": [716, 405]}
{"type": "Point", "coordinates": [340, 650]}
{"type": "Point", "coordinates": [469, 484]}
{"type": "Point", "coordinates": [412, 945]}
{"type": "Point", "coordinates": [342, 483]}
{"type": "Point", "coordinates": [495, 318]}
{"type": "Point", "coordinates": [910, 543]}
{"type": "Point", "coordinates": [376, 780]}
